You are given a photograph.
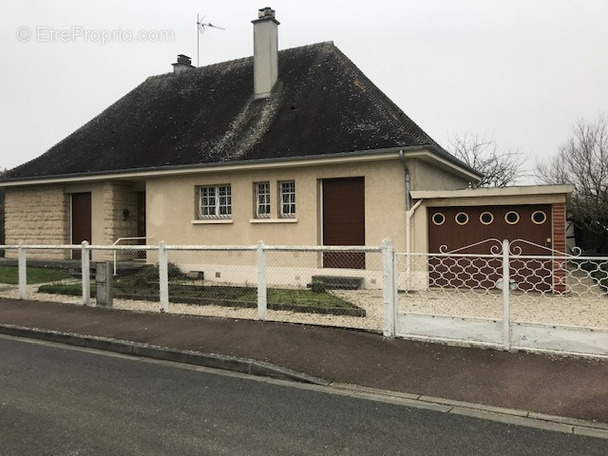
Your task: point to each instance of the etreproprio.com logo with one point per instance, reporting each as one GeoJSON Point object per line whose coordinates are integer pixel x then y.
{"type": "Point", "coordinates": [48, 34]}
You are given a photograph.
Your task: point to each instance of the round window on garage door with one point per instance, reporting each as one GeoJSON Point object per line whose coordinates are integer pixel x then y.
{"type": "Point", "coordinates": [539, 217]}
{"type": "Point", "coordinates": [438, 218]}
{"type": "Point", "coordinates": [462, 218]}
{"type": "Point", "coordinates": [486, 218]}
{"type": "Point", "coordinates": [511, 217]}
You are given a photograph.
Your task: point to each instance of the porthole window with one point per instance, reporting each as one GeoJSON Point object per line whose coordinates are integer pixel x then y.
{"type": "Point", "coordinates": [486, 218]}
{"type": "Point", "coordinates": [539, 217]}
{"type": "Point", "coordinates": [512, 217]}
{"type": "Point", "coordinates": [462, 218]}
{"type": "Point", "coordinates": [438, 218]}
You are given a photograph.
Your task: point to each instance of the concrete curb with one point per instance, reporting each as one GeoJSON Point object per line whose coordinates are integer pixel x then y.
{"type": "Point", "coordinates": [264, 369]}
{"type": "Point", "coordinates": [242, 365]}
{"type": "Point", "coordinates": [500, 414]}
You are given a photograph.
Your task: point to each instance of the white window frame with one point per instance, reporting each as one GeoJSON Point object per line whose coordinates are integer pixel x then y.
{"type": "Point", "coordinates": [262, 200]}
{"type": "Point", "coordinates": [214, 201]}
{"type": "Point", "coordinates": [287, 199]}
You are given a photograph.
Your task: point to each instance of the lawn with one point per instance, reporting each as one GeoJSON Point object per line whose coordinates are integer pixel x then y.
{"type": "Point", "coordinates": [296, 300]}
{"type": "Point", "coordinates": [10, 275]}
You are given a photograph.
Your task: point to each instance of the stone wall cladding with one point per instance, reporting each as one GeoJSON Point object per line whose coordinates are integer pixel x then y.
{"type": "Point", "coordinates": [37, 215]}
{"type": "Point", "coordinates": [117, 197]}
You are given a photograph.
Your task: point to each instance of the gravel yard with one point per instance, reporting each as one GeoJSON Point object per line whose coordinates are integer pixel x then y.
{"type": "Point", "coordinates": [586, 307]}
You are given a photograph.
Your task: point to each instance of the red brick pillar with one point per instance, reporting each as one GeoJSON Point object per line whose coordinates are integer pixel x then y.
{"type": "Point", "coordinates": [560, 266]}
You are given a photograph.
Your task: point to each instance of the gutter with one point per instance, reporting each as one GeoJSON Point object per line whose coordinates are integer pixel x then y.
{"type": "Point", "coordinates": [408, 225]}
{"type": "Point", "coordinates": [236, 165]}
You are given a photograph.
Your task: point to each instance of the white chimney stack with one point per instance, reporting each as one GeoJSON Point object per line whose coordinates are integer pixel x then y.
{"type": "Point", "coordinates": [265, 52]}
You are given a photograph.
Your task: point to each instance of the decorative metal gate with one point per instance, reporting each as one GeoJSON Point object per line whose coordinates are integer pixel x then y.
{"type": "Point", "coordinates": [503, 297]}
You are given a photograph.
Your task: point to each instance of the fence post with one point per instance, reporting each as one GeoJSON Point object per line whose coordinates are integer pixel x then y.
{"type": "Point", "coordinates": [506, 295]}
{"type": "Point", "coordinates": [262, 291]}
{"type": "Point", "coordinates": [86, 274]}
{"type": "Point", "coordinates": [22, 272]}
{"type": "Point", "coordinates": [388, 286]}
{"type": "Point", "coordinates": [163, 276]}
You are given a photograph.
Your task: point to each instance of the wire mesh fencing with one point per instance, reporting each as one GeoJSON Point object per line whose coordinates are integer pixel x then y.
{"type": "Point", "coordinates": [503, 298]}
{"type": "Point", "coordinates": [288, 284]}
{"type": "Point", "coordinates": [335, 286]}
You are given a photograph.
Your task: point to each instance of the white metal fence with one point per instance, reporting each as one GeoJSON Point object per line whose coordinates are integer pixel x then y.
{"type": "Point", "coordinates": [548, 301]}
{"type": "Point", "coordinates": [279, 283]}
{"type": "Point", "coordinates": [504, 299]}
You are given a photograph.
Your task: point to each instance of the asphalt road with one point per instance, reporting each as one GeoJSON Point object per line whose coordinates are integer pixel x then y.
{"type": "Point", "coordinates": [56, 400]}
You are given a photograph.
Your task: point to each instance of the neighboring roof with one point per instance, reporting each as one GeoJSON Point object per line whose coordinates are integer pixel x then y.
{"type": "Point", "coordinates": [322, 104]}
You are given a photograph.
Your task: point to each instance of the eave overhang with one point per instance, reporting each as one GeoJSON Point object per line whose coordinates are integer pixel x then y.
{"type": "Point", "coordinates": [426, 153]}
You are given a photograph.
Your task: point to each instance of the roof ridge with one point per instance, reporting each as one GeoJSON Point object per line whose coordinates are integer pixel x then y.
{"type": "Point", "coordinates": [232, 62]}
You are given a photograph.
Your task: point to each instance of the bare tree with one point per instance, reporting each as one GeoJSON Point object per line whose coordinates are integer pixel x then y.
{"type": "Point", "coordinates": [481, 154]}
{"type": "Point", "coordinates": [583, 162]}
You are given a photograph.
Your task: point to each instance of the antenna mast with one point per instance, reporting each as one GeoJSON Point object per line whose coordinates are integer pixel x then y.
{"type": "Point", "coordinates": [200, 29]}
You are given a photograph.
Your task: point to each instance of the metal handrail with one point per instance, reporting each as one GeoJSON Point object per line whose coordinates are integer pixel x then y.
{"type": "Point", "coordinates": [136, 238]}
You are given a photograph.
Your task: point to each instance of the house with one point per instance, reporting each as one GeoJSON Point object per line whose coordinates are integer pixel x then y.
{"type": "Point", "coordinates": [293, 147]}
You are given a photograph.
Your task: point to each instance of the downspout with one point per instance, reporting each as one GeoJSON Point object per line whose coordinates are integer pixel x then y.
{"type": "Point", "coordinates": [409, 210]}
{"type": "Point", "coordinates": [409, 213]}
{"type": "Point", "coordinates": [408, 201]}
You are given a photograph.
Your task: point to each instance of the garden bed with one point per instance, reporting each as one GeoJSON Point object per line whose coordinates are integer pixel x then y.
{"type": "Point", "coordinates": [296, 300]}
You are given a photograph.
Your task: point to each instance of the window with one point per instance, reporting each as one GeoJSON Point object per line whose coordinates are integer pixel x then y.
{"type": "Point", "coordinates": [539, 217]}
{"type": "Point", "coordinates": [462, 218]}
{"type": "Point", "coordinates": [486, 218]}
{"type": "Point", "coordinates": [288, 199]}
{"type": "Point", "coordinates": [215, 201]}
{"type": "Point", "coordinates": [512, 217]}
{"type": "Point", "coordinates": [262, 200]}
{"type": "Point", "coordinates": [438, 218]}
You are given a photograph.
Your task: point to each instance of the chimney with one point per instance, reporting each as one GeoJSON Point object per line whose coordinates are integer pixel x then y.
{"type": "Point", "coordinates": [183, 63]}
{"type": "Point", "coordinates": [265, 52]}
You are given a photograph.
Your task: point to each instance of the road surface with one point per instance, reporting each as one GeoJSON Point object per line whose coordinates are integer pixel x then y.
{"type": "Point", "coordinates": [57, 400]}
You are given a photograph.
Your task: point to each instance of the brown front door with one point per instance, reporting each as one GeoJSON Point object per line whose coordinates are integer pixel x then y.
{"type": "Point", "coordinates": [81, 220]}
{"type": "Point", "coordinates": [344, 221]}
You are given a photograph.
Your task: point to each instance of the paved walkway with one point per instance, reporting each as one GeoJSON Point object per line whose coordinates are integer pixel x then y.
{"type": "Point", "coordinates": [566, 387]}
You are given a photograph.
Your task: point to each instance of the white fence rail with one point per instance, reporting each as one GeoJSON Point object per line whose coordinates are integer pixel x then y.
{"type": "Point", "coordinates": [502, 299]}
{"type": "Point", "coordinates": [282, 283]}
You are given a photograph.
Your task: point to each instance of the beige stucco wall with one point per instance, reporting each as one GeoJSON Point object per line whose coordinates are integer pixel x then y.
{"type": "Point", "coordinates": [425, 176]}
{"type": "Point", "coordinates": [171, 206]}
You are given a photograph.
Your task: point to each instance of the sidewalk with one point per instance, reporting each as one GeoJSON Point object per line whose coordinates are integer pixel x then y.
{"type": "Point", "coordinates": [567, 387]}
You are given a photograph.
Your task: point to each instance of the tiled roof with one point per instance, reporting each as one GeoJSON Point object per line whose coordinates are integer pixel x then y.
{"type": "Point", "coordinates": [322, 104]}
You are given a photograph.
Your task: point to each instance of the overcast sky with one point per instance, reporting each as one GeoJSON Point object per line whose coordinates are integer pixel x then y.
{"type": "Point", "coordinates": [520, 71]}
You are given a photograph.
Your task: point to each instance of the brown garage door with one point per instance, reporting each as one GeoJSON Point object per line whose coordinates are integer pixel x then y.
{"type": "Point", "coordinates": [452, 228]}
{"type": "Point", "coordinates": [344, 220]}
{"type": "Point", "coordinates": [81, 220]}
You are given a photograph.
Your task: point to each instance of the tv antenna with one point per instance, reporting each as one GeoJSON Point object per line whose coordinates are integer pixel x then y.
{"type": "Point", "coordinates": [200, 30]}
